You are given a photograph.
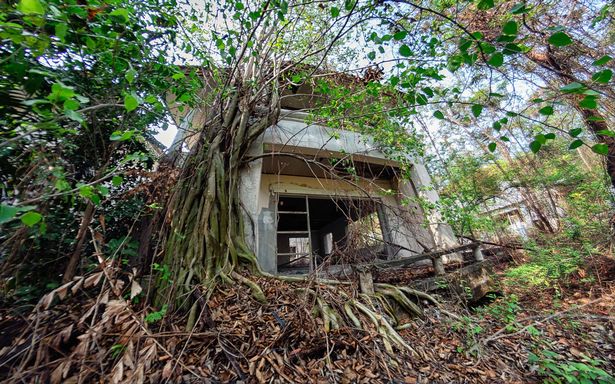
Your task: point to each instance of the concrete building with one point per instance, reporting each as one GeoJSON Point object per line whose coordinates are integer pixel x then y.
{"type": "Point", "coordinates": [517, 208]}
{"type": "Point", "coordinates": [317, 198]}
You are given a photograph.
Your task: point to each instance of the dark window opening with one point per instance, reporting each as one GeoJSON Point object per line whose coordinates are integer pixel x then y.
{"type": "Point", "coordinates": [278, 164]}
{"type": "Point", "coordinates": [312, 231]}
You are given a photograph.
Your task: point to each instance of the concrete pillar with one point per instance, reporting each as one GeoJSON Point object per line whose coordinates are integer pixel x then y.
{"type": "Point", "coordinates": [366, 282]}
{"type": "Point", "coordinates": [478, 254]}
{"type": "Point", "coordinates": [266, 255]}
{"type": "Point", "coordinates": [438, 265]}
{"type": "Point", "coordinates": [249, 189]}
{"type": "Point", "coordinates": [441, 232]}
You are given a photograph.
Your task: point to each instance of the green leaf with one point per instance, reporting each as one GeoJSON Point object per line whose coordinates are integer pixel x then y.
{"type": "Point", "coordinates": [438, 115]}
{"type": "Point", "coordinates": [603, 76]}
{"type": "Point", "coordinates": [60, 92]}
{"type": "Point", "coordinates": [589, 102]}
{"type": "Point", "coordinates": [497, 59]}
{"type": "Point", "coordinates": [349, 4]}
{"type": "Point", "coordinates": [595, 118]}
{"type": "Point", "coordinates": [477, 109]}
{"type": "Point", "coordinates": [518, 9]}
{"type": "Point", "coordinates": [31, 7]}
{"type": "Point", "coordinates": [492, 147]}
{"type": "Point", "coordinates": [400, 35]}
{"type": "Point", "coordinates": [31, 218]}
{"type": "Point", "coordinates": [550, 136]}
{"type": "Point", "coordinates": [547, 111]}
{"type": "Point", "coordinates": [464, 44]}
{"type": "Point", "coordinates": [74, 115]}
{"type": "Point", "coordinates": [511, 49]}
{"type": "Point", "coordinates": [104, 191]}
{"type": "Point", "coordinates": [573, 87]}
{"type": "Point", "coordinates": [71, 105]}
{"type": "Point", "coordinates": [95, 199]}
{"type": "Point", "coordinates": [7, 213]}
{"type": "Point", "coordinates": [121, 136]}
{"type": "Point", "coordinates": [487, 48]}
{"type": "Point", "coordinates": [542, 139]}
{"type": "Point", "coordinates": [405, 51]}
{"type": "Point", "coordinates": [371, 55]}
{"type": "Point", "coordinates": [560, 39]}
{"type": "Point", "coordinates": [605, 132]}
{"type": "Point", "coordinates": [535, 146]}
{"type": "Point", "coordinates": [483, 5]}
{"type": "Point", "coordinates": [387, 37]}
{"type": "Point", "coordinates": [497, 125]}
{"type": "Point", "coordinates": [130, 75]}
{"type": "Point", "coordinates": [510, 28]}
{"type": "Point", "coordinates": [601, 149]}
{"type": "Point", "coordinates": [130, 102]}
{"type": "Point", "coordinates": [575, 132]}
{"type": "Point", "coordinates": [62, 185]}
{"type": "Point", "coordinates": [116, 181]}
{"type": "Point", "coordinates": [60, 30]}
{"type": "Point", "coordinates": [504, 138]}
{"type": "Point", "coordinates": [121, 14]}
{"type": "Point", "coordinates": [335, 11]}
{"type": "Point", "coordinates": [506, 38]}
{"type": "Point", "coordinates": [603, 60]}
{"type": "Point", "coordinates": [575, 144]}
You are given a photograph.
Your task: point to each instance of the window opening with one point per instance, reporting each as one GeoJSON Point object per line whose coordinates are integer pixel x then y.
{"type": "Point", "coordinates": [315, 230]}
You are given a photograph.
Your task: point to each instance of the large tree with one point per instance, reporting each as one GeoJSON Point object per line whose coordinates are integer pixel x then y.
{"type": "Point", "coordinates": [86, 80]}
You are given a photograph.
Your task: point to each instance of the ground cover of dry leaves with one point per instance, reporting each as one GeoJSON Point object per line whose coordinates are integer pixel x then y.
{"type": "Point", "coordinates": [90, 331]}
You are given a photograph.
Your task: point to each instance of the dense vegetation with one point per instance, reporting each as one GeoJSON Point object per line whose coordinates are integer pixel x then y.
{"type": "Point", "coordinates": [504, 100]}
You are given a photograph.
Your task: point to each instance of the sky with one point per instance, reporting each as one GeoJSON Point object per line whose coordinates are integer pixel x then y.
{"type": "Point", "coordinates": [165, 137]}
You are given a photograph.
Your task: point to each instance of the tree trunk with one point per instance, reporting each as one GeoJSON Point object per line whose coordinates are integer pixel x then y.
{"type": "Point", "coordinates": [205, 238]}
{"type": "Point", "coordinates": [73, 262]}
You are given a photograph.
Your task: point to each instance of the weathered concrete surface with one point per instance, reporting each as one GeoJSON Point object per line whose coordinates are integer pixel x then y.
{"type": "Point", "coordinates": [474, 281]}
{"type": "Point", "coordinates": [405, 223]}
{"type": "Point", "coordinates": [294, 134]}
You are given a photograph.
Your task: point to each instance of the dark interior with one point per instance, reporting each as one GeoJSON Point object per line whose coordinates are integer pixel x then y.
{"type": "Point", "coordinates": [329, 221]}
{"type": "Point", "coordinates": [279, 164]}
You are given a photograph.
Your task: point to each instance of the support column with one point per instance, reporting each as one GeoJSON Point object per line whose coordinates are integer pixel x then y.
{"type": "Point", "coordinates": [441, 232]}
{"type": "Point", "coordinates": [438, 265]}
{"type": "Point", "coordinates": [478, 254]}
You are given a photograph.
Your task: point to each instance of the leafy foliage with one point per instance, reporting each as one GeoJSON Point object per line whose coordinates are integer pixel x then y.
{"type": "Point", "coordinates": [557, 371]}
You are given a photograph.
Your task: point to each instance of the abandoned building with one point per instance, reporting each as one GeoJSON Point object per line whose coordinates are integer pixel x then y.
{"type": "Point", "coordinates": [523, 210]}
{"type": "Point", "coordinates": [318, 198]}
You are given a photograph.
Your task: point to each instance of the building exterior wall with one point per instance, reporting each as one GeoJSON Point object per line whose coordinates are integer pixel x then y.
{"type": "Point", "coordinates": [405, 221]}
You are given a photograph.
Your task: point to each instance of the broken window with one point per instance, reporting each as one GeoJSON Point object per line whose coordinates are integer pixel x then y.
{"type": "Point", "coordinates": [313, 231]}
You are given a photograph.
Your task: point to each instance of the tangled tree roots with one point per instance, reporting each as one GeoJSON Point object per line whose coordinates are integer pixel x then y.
{"type": "Point", "coordinates": [262, 328]}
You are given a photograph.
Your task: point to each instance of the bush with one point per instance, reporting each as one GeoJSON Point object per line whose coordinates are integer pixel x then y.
{"type": "Point", "coordinates": [548, 265]}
